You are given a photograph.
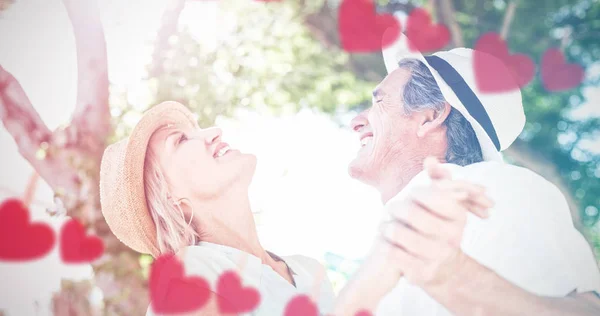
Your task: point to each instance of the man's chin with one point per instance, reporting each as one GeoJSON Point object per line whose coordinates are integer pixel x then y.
{"type": "Point", "coordinates": [356, 168]}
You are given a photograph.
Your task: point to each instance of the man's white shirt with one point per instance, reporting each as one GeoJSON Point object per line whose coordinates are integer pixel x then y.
{"type": "Point", "coordinates": [529, 239]}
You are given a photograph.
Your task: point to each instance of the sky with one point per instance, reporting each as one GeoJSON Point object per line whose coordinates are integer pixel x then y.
{"type": "Point", "coordinates": [304, 200]}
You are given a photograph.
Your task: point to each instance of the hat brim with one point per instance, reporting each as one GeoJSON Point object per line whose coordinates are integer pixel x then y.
{"type": "Point", "coordinates": [400, 50]}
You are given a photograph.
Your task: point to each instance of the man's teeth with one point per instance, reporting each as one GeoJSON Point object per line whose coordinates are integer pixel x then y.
{"type": "Point", "coordinates": [222, 151]}
{"type": "Point", "coordinates": [365, 140]}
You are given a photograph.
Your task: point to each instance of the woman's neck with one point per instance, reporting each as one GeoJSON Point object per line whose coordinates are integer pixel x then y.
{"type": "Point", "coordinates": [232, 224]}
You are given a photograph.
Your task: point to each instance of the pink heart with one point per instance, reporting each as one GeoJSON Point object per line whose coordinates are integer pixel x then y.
{"type": "Point", "coordinates": [557, 74]}
{"type": "Point", "coordinates": [361, 30]}
{"type": "Point", "coordinates": [171, 292]}
{"type": "Point", "coordinates": [233, 298]}
{"type": "Point", "coordinates": [21, 240]}
{"type": "Point", "coordinates": [491, 75]}
{"type": "Point", "coordinates": [423, 35]}
{"type": "Point", "coordinates": [301, 305]}
{"type": "Point", "coordinates": [76, 247]}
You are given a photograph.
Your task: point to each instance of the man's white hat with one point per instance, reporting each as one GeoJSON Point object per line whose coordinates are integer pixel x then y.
{"type": "Point", "coordinates": [496, 117]}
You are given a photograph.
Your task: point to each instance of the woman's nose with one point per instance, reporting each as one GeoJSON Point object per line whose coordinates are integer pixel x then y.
{"type": "Point", "coordinates": [359, 121]}
{"type": "Point", "coordinates": [212, 135]}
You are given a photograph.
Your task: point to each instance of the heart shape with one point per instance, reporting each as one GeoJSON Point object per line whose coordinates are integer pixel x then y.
{"type": "Point", "coordinates": [301, 305]}
{"type": "Point", "coordinates": [557, 74]}
{"type": "Point", "coordinates": [76, 247]}
{"type": "Point", "coordinates": [21, 240]}
{"type": "Point", "coordinates": [233, 298]}
{"type": "Point", "coordinates": [363, 313]}
{"type": "Point", "coordinates": [423, 35]}
{"type": "Point", "coordinates": [361, 30]}
{"type": "Point", "coordinates": [171, 292]}
{"type": "Point", "coordinates": [491, 75]}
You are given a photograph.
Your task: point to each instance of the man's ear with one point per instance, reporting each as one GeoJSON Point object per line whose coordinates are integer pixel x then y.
{"type": "Point", "coordinates": [433, 120]}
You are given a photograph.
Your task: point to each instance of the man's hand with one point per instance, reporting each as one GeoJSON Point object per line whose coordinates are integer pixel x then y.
{"type": "Point", "coordinates": [422, 240]}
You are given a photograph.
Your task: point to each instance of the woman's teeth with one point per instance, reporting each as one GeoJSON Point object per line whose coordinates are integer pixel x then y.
{"type": "Point", "coordinates": [222, 151]}
{"type": "Point", "coordinates": [365, 140]}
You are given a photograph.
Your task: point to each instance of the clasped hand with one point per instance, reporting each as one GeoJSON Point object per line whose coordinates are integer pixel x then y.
{"type": "Point", "coordinates": [421, 240]}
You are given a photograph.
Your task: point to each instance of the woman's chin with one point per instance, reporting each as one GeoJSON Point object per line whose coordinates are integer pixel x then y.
{"type": "Point", "coordinates": [243, 163]}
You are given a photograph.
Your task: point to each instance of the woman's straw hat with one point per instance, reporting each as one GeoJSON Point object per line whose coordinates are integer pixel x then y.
{"type": "Point", "coordinates": [122, 194]}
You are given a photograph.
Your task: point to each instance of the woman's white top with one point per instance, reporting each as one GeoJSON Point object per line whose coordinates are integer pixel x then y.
{"type": "Point", "coordinates": [209, 261]}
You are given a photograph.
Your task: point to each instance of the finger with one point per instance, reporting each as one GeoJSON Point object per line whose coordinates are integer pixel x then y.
{"type": "Point", "coordinates": [482, 200]}
{"type": "Point", "coordinates": [476, 209]}
{"type": "Point", "coordinates": [459, 185]}
{"type": "Point", "coordinates": [479, 201]}
{"type": "Point", "coordinates": [410, 240]}
{"type": "Point", "coordinates": [435, 170]}
{"type": "Point", "coordinates": [397, 255]}
{"type": "Point", "coordinates": [425, 222]}
{"type": "Point", "coordinates": [441, 203]}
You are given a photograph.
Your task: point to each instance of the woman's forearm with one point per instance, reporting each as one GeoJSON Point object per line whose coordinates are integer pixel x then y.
{"type": "Point", "coordinates": [477, 290]}
{"type": "Point", "coordinates": [365, 289]}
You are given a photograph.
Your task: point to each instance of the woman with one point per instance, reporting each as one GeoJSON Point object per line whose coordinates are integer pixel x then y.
{"type": "Point", "coordinates": [172, 187]}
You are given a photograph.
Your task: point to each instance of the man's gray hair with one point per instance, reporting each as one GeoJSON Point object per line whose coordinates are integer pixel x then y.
{"type": "Point", "coordinates": [421, 92]}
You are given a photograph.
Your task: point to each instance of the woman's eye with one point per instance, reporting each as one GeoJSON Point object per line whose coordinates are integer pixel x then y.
{"type": "Point", "coordinates": [182, 138]}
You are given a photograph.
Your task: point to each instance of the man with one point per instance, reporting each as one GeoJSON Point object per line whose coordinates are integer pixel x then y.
{"type": "Point", "coordinates": [523, 257]}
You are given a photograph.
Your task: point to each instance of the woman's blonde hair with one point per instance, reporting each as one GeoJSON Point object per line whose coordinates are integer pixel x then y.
{"type": "Point", "coordinates": [173, 231]}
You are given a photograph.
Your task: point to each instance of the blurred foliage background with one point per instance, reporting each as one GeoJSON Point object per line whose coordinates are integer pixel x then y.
{"type": "Point", "coordinates": [285, 56]}
{"type": "Point", "coordinates": [282, 56]}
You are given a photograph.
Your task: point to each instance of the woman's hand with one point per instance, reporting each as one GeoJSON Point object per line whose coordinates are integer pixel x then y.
{"type": "Point", "coordinates": [422, 239]}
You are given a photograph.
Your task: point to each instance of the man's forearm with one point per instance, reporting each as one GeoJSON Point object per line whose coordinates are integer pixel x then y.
{"type": "Point", "coordinates": [476, 290]}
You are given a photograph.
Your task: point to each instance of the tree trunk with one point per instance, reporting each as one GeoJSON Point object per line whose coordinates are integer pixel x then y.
{"type": "Point", "coordinates": [68, 160]}
{"type": "Point", "coordinates": [168, 28]}
{"type": "Point", "coordinates": [520, 153]}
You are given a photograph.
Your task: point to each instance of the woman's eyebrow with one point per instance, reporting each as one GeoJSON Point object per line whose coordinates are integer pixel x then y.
{"type": "Point", "coordinates": [173, 132]}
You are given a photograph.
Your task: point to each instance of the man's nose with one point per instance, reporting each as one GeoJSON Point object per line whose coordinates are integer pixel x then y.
{"type": "Point", "coordinates": [212, 135]}
{"type": "Point", "coordinates": [359, 121]}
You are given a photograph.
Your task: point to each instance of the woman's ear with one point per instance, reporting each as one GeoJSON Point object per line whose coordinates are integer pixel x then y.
{"type": "Point", "coordinates": [433, 120]}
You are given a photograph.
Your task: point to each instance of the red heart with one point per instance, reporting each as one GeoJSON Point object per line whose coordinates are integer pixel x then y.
{"type": "Point", "coordinates": [557, 74]}
{"type": "Point", "coordinates": [76, 247]}
{"type": "Point", "coordinates": [233, 298]}
{"type": "Point", "coordinates": [363, 313]}
{"type": "Point", "coordinates": [171, 292]}
{"type": "Point", "coordinates": [21, 240]}
{"type": "Point", "coordinates": [423, 35]}
{"type": "Point", "coordinates": [301, 305]}
{"type": "Point", "coordinates": [361, 30]}
{"type": "Point", "coordinates": [491, 75]}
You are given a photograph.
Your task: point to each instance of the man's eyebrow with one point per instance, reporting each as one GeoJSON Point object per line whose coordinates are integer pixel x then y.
{"type": "Point", "coordinates": [377, 93]}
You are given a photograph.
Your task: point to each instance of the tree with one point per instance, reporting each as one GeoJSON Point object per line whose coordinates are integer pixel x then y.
{"type": "Point", "coordinates": [68, 159]}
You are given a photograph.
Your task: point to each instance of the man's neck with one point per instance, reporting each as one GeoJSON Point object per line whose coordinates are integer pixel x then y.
{"type": "Point", "coordinates": [392, 185]}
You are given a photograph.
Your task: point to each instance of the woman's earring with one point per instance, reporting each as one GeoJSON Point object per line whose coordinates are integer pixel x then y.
{"type": "Point", "coordinates": [178, 204]}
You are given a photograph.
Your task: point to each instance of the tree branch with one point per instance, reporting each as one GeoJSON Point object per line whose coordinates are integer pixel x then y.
{"type": "Point", "coordinates": [323, 27]}
{"type": "Point", "coordinates": [91, 119]}
{"type": "Point", "coordinates": [446, 15]}
{"type": "Point", "coordinates": [508, 18]}
{"type": "Point", "coordinates": [523, 155]}
{"type": "Point", "coordinates": [32, 136]}
{"type": "Point", "coordinates": [168, 27]}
